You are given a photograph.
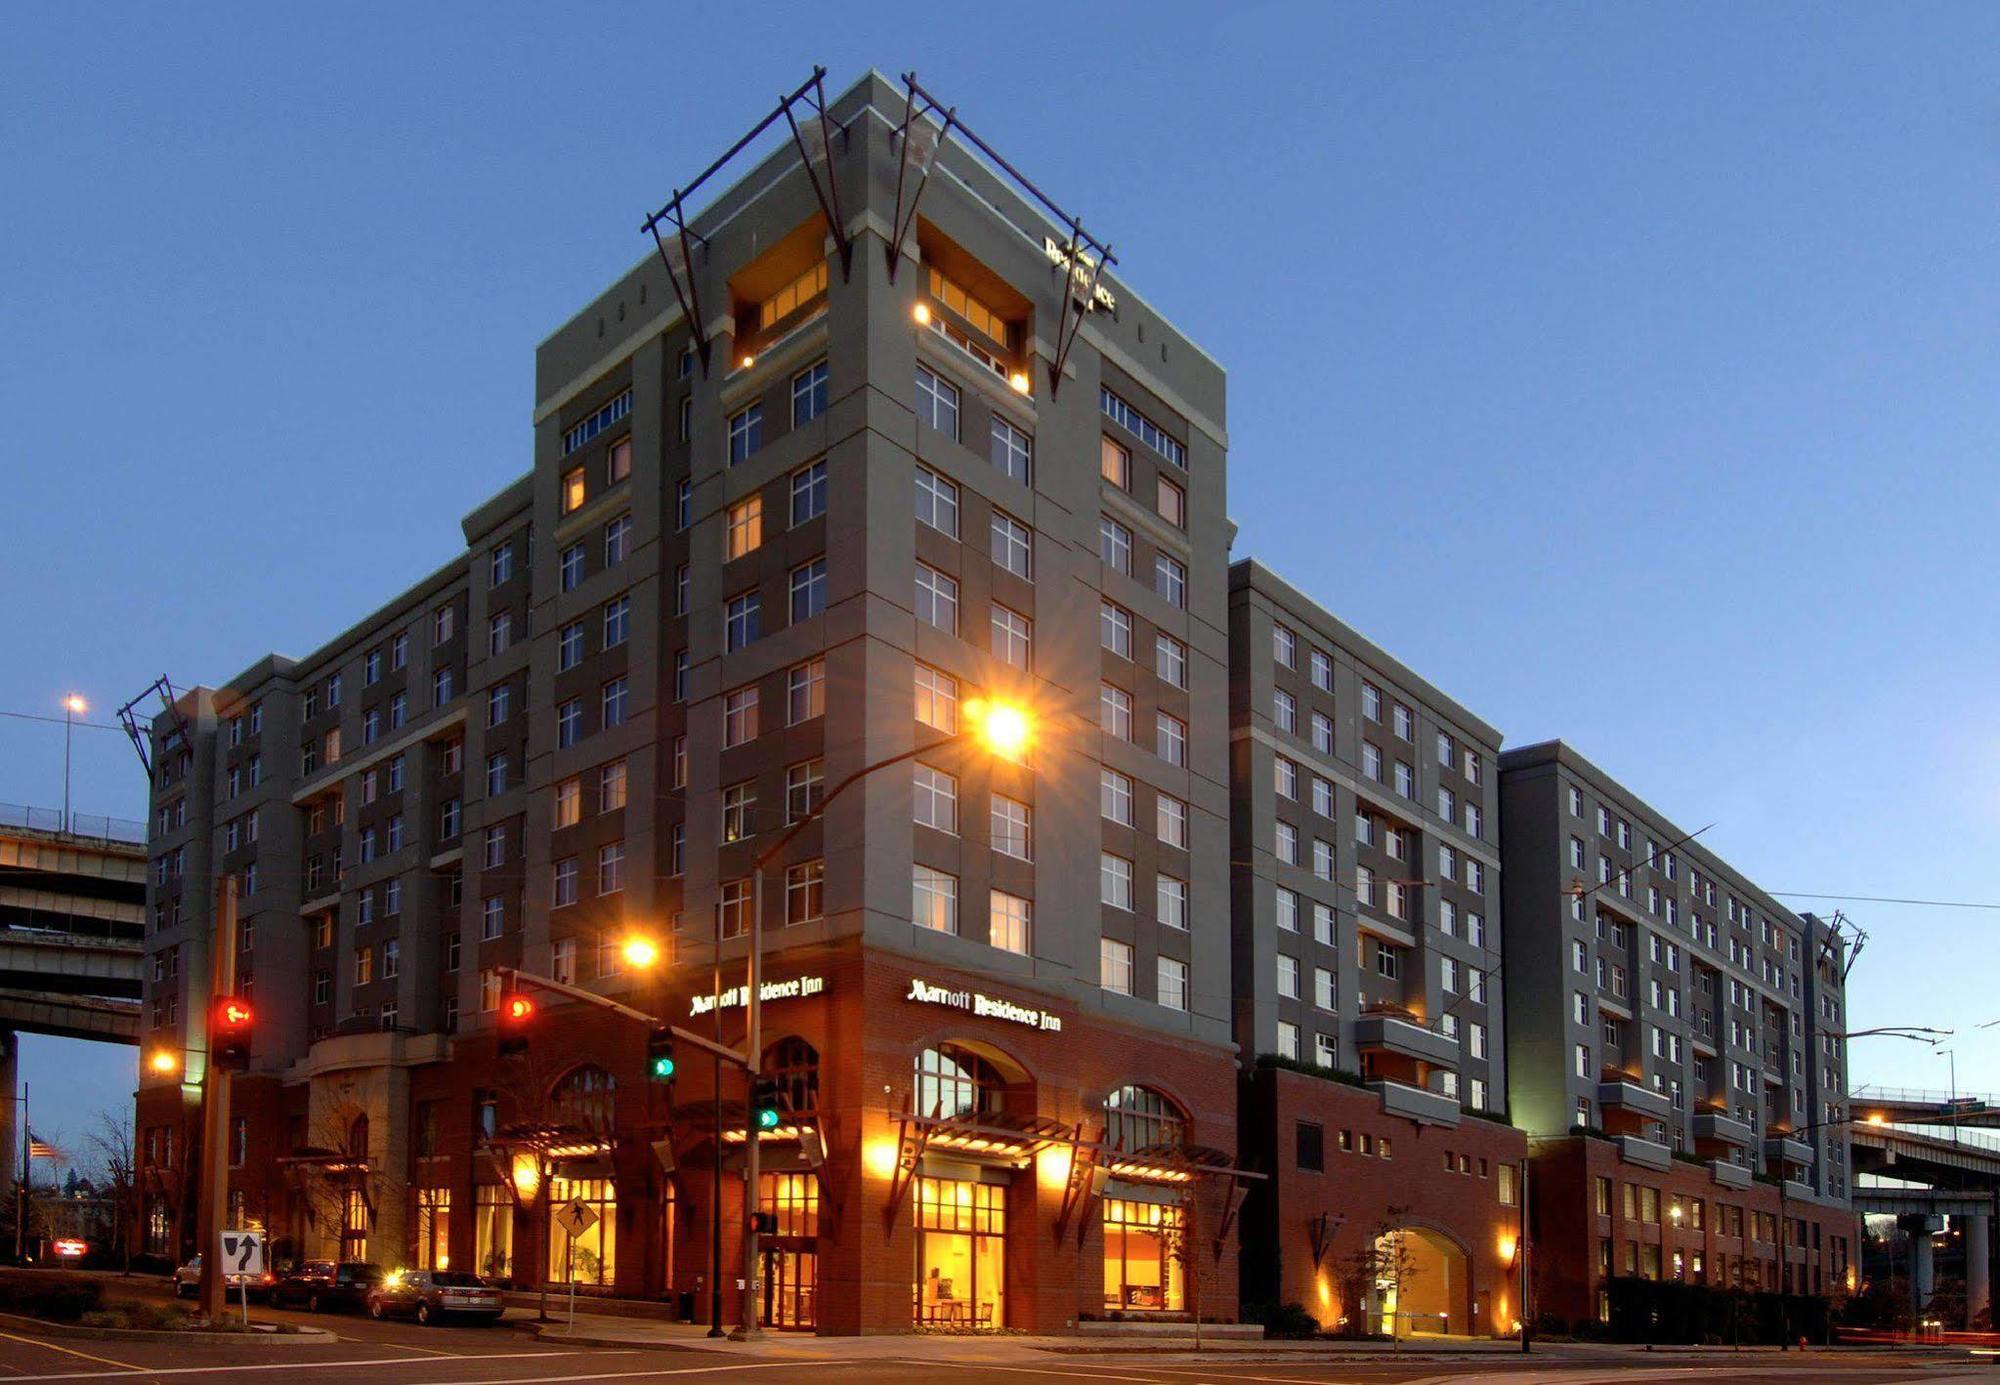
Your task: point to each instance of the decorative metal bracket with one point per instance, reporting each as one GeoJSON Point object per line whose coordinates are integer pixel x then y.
{"type": "Point", "coordinates": [1076, 1188]}
{"type": "Point", "coordinates": [912, 1139]}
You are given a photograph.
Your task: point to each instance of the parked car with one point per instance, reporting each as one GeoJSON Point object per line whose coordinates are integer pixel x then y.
{"type": "Point", "coordinates": [324, 1287]}
{"type": "Point", "coordinates": [187, 1281]}
{"type": "Point", "coordinates": [428, 1295]}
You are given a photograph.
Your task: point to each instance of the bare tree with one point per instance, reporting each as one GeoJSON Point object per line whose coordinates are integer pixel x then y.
{"type": "Point", "coordinates": [1383, 1261]}
{"type": "Point", "coordinates": [110, 1145]}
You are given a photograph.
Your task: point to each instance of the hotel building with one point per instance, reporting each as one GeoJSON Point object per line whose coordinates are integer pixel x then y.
{"type": "Point", "coordinates": [799, 498]}
{"type": "Point", "coordinates": [1677, 1040]}
{"type": "Point", "coordinates": [1365, 875]}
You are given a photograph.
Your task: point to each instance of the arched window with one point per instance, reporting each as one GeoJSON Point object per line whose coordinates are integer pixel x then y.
{"type": "Point", "coordinates": [793, 1064]}
{"type": "Point", "coordinates": [357, 1137]}
{"type": "Point", "coordinates": [953, 1081]}
{"type": "Point", "coordinates": [583, 1098]}
{"type": "Point", "coordinates": [1137, 1118]}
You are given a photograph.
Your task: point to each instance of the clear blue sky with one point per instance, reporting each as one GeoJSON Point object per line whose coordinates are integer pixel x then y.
{"type": "Point", "coordinates": [1631, 371]}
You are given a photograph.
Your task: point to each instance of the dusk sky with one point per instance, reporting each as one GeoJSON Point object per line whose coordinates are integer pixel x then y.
{"type": "Point", "coordinates": [1629, 371]}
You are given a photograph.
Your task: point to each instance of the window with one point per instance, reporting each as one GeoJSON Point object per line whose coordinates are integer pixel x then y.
{"type": "Point", "coordinates": [733, 904]}
{"type": "Point", "coordinates": [739, 809]}
{"type": "Point", "coordinates": [563, 890]}
{"type": "Point", "coordinates": [1288, 976]}
{"type": "Point", "coordinates": [805, 789]}
{"type": "Point", "coordinates": [441, 687]}
{"type": "Point", "coordinates": [618, 462]}
{"type": "Point", "coordinates": [611, 413]}
{"type": "Point", "coordinates": [1170, 901]}
{"type": "Point", "coordinates": [1114, 881]}
{"type": "Point", "coordinates": [805, 691]}
{"type": "Point", "coordinates": [746, 432]}
{"type": "Point", "coordinates": [499, 633]}
{"type": "Point", "coordinates": [805, 892]}
{"type": "Point", "coordinates": [1173, 504]}
{"type": "Point", "coordinates": [742, 621]}
{"type": "Point", "coordinates": [937, 401]}
{"type": "Point", "coordinates": [572, 490]}
{"type": "Point", "coordinates": [1288, 1040]}
{"type": "Point", "coordinates": [614, 700]}
{"type": "Point", "coordinates": [1012, 450]}
{"type": "Point", "coordinates": [1013, 546]}
{"type": "Point", "coordinates": [937, 501]}
{"type": "Point", "coordinates": [496, 775]}
{"type": "Point", "coordinates": [936, 699]}
{"type": "Point", "coordinates": [1170, 739]}
{"type": "Point", "coordinates": [1286, 909]}
{"type": "Point", "coordinates": [683, 588]}
{"type": "Point", "coordinates": [1172, 983]}
{"type": "Point", "coordinates": [562, 960]}
{"type": "Point", "coordinates": [1170, 821]}
{"type": "Point", "coordinates": [684, 491]}
{"type": "Point", "coordinates": [1285, 843]}
{"type": "Point", "coordinates": [1013, 635]}
{"type": "Point", "coordinates": [1011, 828]}
{"type": "Point", "coordinates": [569, 647]}
{"type": "Point", "coordinates": [1114, 797]}
{"type": "Point", "coordinates": [937, 599]}
{"type": "Point", "coordinates": [1323, 988]}
{"type": "Point", "coordinates": [1170, 660]}
{"type": "Point", "coordinates": [1285, 711]}
{"type": "Point", "coordinates": [933, 899]}
{"type": "Point", "coordinates": [1285, 777]}
{"type": "Point", "coordinates": [399, 657]}
{"type": "Point", "coordinates": [570, 567]}
{"type": "Point", "coordinates": [794, 296]}
{"type": "Point", "coordinates": [1136, 423]}
{"type": "Point", "coordinates": [569, 723]}
{"type": "Point", "coordinates": [1114, 544]}
{"type": "Point", "coordinates": [809, 393]}
{"type": "Point", "coordinates": [1114, 966]}
{"type": "Point", "coordinates": [935, 800]}
{"type": "Point", "coordinates": [364, 965]}
{"type": "Point", "coordinates": [617, 620]}
{"type": "Point", "coordinates": [569, 803]}
{"type": "Point", "coordinates": [739, 717]}
{"type": "Point", "coordinates": [1114, 711]}
{"type": "Point", "coordinates": [809, 492]}
{"type": "Point", "coordinates": [1009, 922]}
{"type": "Point", "coordinates": [808, 591]}
{"type": "Point", "coordinates": [1170, 580]}
{"type": "Point", "coordinates": [1114, 463]}
{"type": "Point", "coordinates": [1114, 629]}
{"type": "Point", "coordinates": [743, 528]}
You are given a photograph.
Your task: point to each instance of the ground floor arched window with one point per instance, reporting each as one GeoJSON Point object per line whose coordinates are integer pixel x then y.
{"type": "Point", "coordinates": [589, 1258]}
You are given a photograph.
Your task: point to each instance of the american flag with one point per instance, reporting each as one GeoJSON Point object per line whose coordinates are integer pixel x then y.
{"type": "Point", "coordinates": [42, 1149]}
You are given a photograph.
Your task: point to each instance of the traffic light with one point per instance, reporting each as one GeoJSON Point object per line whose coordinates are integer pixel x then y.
{"type": "Point", "coordinates": [764, 1103]}
{"type": "Point", "coordinates": [229, 1033]}
{"type": "Point", "coordinates": [660, 1054]}
{"type": "Point", "coordinates": [517, 1012]}
{"type": "Point", "coordinates": [764, 1223]}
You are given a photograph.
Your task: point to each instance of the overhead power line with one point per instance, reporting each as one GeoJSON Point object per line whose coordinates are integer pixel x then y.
{"type": "Point", "coordinates": [58, 721]}
{"type": "Point", "coordinates": [1886, 899]}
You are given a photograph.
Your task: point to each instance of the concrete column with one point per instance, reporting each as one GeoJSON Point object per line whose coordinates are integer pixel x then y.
{"type": "Point", "coordinates": [10, 1111]}
{"type": "Point", "coordinates": [1923, 1267]}
{"type": "Point", "coordinates": [1978, 1265]}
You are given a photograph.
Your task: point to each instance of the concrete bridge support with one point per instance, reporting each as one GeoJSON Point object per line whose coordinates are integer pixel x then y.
{"type": "Point", "coordinates": [1923, 1262]}
{"type": "Point", "coordinates": [10, 1113]}
{"type": "Point", "coordinates": [1978, 1265]}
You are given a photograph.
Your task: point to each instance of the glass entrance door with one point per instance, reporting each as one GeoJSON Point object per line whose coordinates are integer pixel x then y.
{"type": "Point", "coordinates": [961, 1254]}
{"type": "Point", "coordinates": [790, 1279]}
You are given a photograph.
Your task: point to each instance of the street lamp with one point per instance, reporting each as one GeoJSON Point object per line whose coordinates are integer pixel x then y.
{"type": "Point", "coordinates": [164, 1062]}
{"type": "Point", "coordinates": [73, 706]}
{"type": "Point", "coordinates": [1004, 730]}
{"type": "Point", "coordinates": [640, 952]}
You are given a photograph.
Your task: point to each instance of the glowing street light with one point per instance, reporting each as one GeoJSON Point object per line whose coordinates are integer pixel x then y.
{"type": "Point", "coordinates": [640, 952]}
{"type": "Point", "coordinates": [164, 1061]}
{"type": "Point", "coordinates": [73, 706]}
{"type": "Point", "coordinates": [1003, 728]}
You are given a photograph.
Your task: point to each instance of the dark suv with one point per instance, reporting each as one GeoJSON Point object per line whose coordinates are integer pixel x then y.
{"type": "Point", "coordinates": [324, 1287]}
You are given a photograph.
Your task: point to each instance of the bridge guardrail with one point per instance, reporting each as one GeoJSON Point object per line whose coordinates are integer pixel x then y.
{"type": "Point", "coordinates": [94, 826]}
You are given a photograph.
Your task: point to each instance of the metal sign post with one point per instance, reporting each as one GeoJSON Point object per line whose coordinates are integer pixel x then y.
{"type": "Point", "coordinates": [242, 1254]}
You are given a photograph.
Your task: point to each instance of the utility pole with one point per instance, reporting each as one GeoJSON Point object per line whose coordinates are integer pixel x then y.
{"type": "Point", "coordinates": [746, 1326]}
{"type": "Point", "coordinates": [212, 1197]}
{"type": "Point", "coordinates": [1521, 1245]}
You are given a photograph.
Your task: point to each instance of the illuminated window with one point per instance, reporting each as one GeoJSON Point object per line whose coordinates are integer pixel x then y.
{"type": "Point", "coordinates": [793, 296]}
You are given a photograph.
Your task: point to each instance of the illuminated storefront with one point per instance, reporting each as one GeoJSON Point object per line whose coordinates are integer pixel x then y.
{"type": "Point", "coordinates": [1141, 1246]}
{"type": "Point", "coordinates": [433, 1228]}
{"type": "Point", "coordinates": [961, 1253]}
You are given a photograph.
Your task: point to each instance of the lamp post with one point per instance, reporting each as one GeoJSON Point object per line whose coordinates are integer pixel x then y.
{"type": "Point", "coordinates": [73, 706]}
{"type": "Point", "coordinates": [1005, 731]}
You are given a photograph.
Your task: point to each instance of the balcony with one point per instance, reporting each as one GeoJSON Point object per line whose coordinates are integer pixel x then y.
{"type": "Point", "coordinates": [1414, 1103]}
{"type": "Point", "coordinates": [1396, 1032]}
{"type": "Point", "coordinates": [1723, 1128]}
{"type": "Point", "coordinates": [1785, 1149]}
{"type": "Point", "coordinates": [1621, 1094]}
{"type": "Point", "coordinates": [1796, 1189]}
{"type": "Point", "coordinates": [1729, 1175]}
{"type": "Point", "coordinates": [1651, 1154]}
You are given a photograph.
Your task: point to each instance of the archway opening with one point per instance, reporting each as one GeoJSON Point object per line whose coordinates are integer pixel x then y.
{"type": "Point", "coordinates": [1420, 1283]}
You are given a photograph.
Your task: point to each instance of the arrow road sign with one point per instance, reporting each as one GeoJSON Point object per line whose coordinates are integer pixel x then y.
{"type": "Point", "coordinates": [576, 1218]}
{"type": "Point", "coordinates": [243, 1252]}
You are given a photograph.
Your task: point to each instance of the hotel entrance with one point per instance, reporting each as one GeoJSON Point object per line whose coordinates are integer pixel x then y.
{"type": "Point", "coordinates": [791, 1256]}
{"type": "Point", "coordinates": [961, 1253]}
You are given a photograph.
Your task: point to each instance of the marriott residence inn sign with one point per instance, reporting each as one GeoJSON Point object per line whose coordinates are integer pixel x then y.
{"type": "Point", "coordinates": [991, 1007]}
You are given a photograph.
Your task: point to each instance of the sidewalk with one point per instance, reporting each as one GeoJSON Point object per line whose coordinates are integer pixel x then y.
{"type": "Point", "coordinates": [1013, 1349]}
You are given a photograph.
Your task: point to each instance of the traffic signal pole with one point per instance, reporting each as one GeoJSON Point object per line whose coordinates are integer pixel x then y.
{"type": "Point", "coordinates": [212, 1195]}
{"type": "Point", "coordinates": [746, 1327]}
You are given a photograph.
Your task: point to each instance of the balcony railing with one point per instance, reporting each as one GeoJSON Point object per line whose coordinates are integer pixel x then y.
{"type": "Point", "coordinates": [93, 826]}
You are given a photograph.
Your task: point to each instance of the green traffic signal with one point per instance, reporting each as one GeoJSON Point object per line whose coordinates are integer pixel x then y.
{"type": "Point", "coordinates": [767, 1118]}
{"type": "Point", "coordinates": [663, 1068]}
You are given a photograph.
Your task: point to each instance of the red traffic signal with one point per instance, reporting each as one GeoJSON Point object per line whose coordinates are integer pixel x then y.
{"type": "Point", "coordinates": [229, 1033]}
{"type": "Point", "coordinates": [517, 1011]}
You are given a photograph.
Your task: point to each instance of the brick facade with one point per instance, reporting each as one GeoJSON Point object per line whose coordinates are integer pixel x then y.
{"type": "Point", "coordinates": [1454, 1189]}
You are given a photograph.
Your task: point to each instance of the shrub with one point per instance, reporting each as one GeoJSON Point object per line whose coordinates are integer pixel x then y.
{"type": "Point", "coordinates": [44, 1296]}
{"type": "Point", "coordinates": [1290, 1320]}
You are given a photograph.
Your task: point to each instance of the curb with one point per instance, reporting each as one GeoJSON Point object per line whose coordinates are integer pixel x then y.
{"type": "Point", "coordinates": [304, 1336]}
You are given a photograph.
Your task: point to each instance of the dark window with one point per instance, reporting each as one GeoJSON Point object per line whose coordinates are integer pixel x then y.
{"type": "Point", "coordinates": [1311, 1147]}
